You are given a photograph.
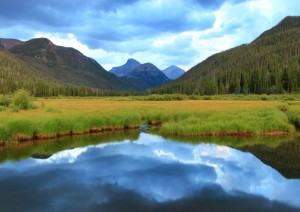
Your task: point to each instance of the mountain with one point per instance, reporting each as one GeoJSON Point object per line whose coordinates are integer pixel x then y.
{"type": "Point", "coordinates": [173, 72]}
{"type": "Point", "coordinates": [269, 64]}
{"type": "Point", "coordinates": [125, 69]}
{"type": "Point", "coordinates": [288, 23]}
{"type": "Point", "coordinates": [146, 76]}
{"type": "Point", "coordinates": [16, 74]}
{"type": "Point", "coordinates": [66, 65]}
{"type": "Point", "coordinates": [8, 43]}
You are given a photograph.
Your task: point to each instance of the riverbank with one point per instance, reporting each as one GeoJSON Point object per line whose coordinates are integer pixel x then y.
{"type": "Point", "coordinates": [63, 117]}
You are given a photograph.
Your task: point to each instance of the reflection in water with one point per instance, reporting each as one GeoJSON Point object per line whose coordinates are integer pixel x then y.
{"type": "Point", "coordinates": [285, 157]}
{"type": "Point", "coordinates": [280, 152]}
{"type": "Point", "coordinates": [148, 174]}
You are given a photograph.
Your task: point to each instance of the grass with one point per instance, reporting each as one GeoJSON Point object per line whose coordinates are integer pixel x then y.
{"type": "Point", "coordinates": [246, 121]}
{"type": "Point", "coordinates": [294, 114]}
{"type": "Point", "coordinates": [56, 117]}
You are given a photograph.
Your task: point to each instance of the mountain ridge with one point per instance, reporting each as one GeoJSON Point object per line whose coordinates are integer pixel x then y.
{"type": "Point", "coordinates": [269, 64]}
{"type": "Point", "coordinates": [66, 64]}
{"type": "Point", "coordinates": [125, 69]}
{"type": "Point", "coordinates": [146, 76]}
{"type": "Point", "coordinates": [8, 43]}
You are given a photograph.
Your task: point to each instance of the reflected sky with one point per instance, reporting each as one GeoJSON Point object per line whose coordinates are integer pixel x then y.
{"type": "Point", "coordinates": [148, 174]}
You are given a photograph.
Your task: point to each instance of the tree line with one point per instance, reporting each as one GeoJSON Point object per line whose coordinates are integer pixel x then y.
{"type": "Point", "coordinates": [270, 64]}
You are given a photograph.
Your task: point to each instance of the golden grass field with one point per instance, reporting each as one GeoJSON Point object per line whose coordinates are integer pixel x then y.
{"type": "Point", "coordinates": [186, 117]}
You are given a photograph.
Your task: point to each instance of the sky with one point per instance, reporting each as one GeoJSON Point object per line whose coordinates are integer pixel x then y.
{"type": "Point", "coordinates": [163, 32]}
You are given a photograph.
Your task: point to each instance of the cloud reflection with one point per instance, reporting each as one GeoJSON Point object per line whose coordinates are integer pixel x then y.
{"type": "Point", "coordinates": [148, 174]}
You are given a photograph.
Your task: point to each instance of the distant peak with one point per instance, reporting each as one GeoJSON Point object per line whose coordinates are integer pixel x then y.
{"type": "Point", "coordinates": [131, 60]}
{"type": "Point", "coordinates": [149, 65]}
{"type": "Point", "coordinates": [42, 40]}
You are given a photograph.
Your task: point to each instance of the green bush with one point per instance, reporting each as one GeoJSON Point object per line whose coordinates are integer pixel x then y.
{"type": "Point", "coordinates": [22, 100]}
{"type": "Point", "coordinates": [2, 108]}
{"type": "Point", "coordinates": [5, 101]}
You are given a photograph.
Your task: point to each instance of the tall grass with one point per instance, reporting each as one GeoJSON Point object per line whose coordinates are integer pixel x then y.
{"type": "Point", "coordinates": [186, 117]}
{"type": "Point", "coordinates": [254, 121]}
{"type": "Point", "coordinates": [294, 115]}
{"type": "Point", "coordinates": [25, 127]}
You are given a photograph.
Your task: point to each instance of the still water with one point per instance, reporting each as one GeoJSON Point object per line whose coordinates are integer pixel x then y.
{"type": "Point", "coordinates": [147, 173]}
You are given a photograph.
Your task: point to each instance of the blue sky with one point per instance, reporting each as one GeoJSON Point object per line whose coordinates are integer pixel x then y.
{"type": "Point", "coordinates": [163, 32]}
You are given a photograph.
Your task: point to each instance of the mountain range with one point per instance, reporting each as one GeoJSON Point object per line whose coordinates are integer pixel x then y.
{"type": "Point", "coordinates": [145, 76]}
{"type": "Point", "coordinates": [62, 66]}
{"type": "Point", "coordinates": [66, 65]}
{"type": "Point", "coordinates": [125, 69]}
{"type": "Point", "coordinates": [53, 68]}
{"type": "Point", "coordinates": [269, 64]}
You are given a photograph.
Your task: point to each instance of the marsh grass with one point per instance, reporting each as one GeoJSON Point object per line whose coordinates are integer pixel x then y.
{"type": "Point", "coordinates": [294, 115]}
{"type": "Point", "coordinates": [186, 117]}
{"type": "Point", "coordinates": [254, 121]}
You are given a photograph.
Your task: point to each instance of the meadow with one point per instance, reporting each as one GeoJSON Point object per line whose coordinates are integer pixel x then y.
{"type": "Point", "coordinates": [254, 115]}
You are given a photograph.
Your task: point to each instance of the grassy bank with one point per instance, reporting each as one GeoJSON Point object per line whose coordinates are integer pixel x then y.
{"type": "Point", "coordinates": [58, 117]}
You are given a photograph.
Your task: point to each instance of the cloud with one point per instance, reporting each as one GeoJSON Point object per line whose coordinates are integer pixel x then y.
{"type": "Point", "coordinates": [111, 31]}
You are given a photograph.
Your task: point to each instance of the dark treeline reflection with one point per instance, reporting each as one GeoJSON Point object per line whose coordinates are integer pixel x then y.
{"type": "Point", "coordinates": [280, 152]}
{"type": "Point", "coordinates": [285, 157]}
{"type": "Point", "coordinates": [46, 148]}
{"type": "Point", "coordinates": [109, 197]}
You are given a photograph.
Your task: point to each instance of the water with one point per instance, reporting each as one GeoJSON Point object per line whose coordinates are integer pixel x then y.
{"type": "Point", "coordinates": [146, 173]}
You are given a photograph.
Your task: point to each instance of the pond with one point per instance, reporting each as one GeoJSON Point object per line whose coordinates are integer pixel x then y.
{"type": "Point", "coordinates": [145, 172]}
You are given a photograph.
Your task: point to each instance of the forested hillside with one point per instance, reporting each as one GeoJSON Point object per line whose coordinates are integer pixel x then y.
{"type": "Point", "coordinates": [16, 74]}
{"type": "Point", "coordinates": [66, 65]}
{"type": "Point", "coordinates": [270, 64]}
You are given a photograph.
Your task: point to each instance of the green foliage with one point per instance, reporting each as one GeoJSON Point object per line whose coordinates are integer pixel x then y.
{"type": "Point", "coordinates": [22, 100]}
{"type": "Point", "coordinates": [2, 108]}
{"type": "Point", "coordinates": [5, 101]}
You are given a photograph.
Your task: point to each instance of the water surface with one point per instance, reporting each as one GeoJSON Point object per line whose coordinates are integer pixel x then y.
{"type": "Point", "coordinates": [145, 173]}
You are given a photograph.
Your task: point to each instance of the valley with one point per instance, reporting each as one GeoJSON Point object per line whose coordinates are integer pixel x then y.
{"type": "Point", "coordinates": [149, 105]}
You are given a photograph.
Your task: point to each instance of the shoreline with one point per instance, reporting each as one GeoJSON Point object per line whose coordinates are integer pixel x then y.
{"type": "Point", "coordinates": [61, 118]}
{"type": "Point", "coordinates": [22, 138]}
